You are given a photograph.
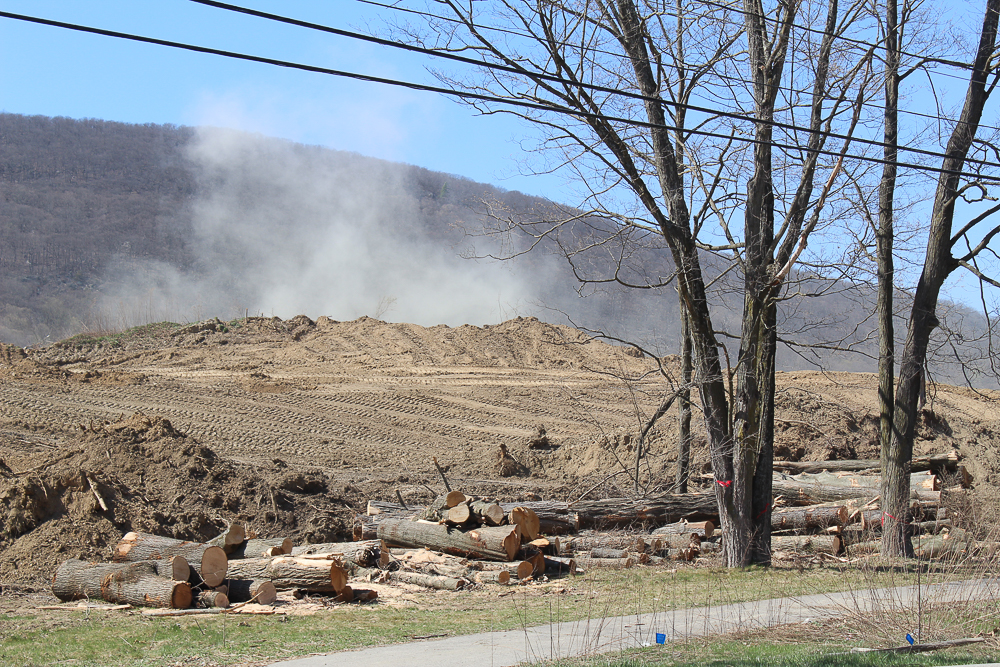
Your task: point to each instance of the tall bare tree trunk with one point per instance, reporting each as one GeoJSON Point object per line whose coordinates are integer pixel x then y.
{"type": "Point", "coordinates": [684, 404]}
{"type": "Point", "coordinates": [938, 265]}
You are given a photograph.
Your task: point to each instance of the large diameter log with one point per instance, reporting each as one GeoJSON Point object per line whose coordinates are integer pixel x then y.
{"type": "Point", "coordinates": [120, 583]}
{"type": "Point", "coordinates": [230, 540]}
{"type": "Point", "coordinates": [288, 572]}
{"type": "Point", "coordinates": [245, 590]}
{"type": "Point", "coordinates": [808, 517]}
{"type": "Point", "coordinates": [828, 544]}
{"type": "Point", "coordinates": [499, 543]}
{"type": "Point", "coordinates": [527, 520]}
{"type": "Point", "coordinates": [369, 553]}
{"type": "Point", "coordinates": [210, 562]}
{"type": "Point", "coordinates": [807, 489]}
{"type": "Point", "coordinates": [622, 512]}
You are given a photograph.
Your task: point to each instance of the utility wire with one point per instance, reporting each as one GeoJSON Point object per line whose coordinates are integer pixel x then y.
{"type": "Point", "coordinates": [724, 77]}
{"type": "Point", "coordinates": [465, 94]}
{"type": "Point", "coordinates": [558, 79]}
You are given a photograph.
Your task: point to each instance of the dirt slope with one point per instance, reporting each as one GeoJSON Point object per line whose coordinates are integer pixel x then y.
{"type": "Point", "coordinates": [292, 425]}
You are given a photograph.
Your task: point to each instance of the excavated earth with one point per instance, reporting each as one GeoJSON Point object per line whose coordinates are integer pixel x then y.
{"type": "Point", "coordinates": [291, 426]}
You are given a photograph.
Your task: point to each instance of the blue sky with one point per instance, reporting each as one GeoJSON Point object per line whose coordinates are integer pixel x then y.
{"type": "Point", "coordinates": [56, 72]}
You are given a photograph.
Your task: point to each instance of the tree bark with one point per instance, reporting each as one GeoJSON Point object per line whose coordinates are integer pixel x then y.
{"type": "Point", "coordinates": [370, 553]}
{"type": "Point", "coordinates": [623, 512]}
{"type": "Point", "coordinates": [288, 572]}
{"type": "Point", "coordinates": [263, 548]}
{"type": "Point", "coordinates": [938, 265]}
{"type": "Point", "coordinates": [210, 562]}
{"type": "Point", "coordinates": [122, 583]}
{"type": "Point", "coordinates": [500, 543]}
{"type": "Point", "coordinates": [808, 517]}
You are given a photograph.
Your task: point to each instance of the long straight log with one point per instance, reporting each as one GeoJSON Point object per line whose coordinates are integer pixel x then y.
{"type": "Point", "coordinates": [808, 517]}
{"type": "Point", "coordinates": [500, 543]}
{"type": "Point", "coordinates": [824, 487]}
{"type": "Point", "coordinates": [288, 572]}
{"type": "Point", "coordinates": [210, 562]}
{"type": "Point", "coordinates": [121, 583]}
{"type": "Point", "coordinates": [416, 578]}
{"type": "Point", "coordinates": [829, 544]}
{"type": "Point", "coordinates": [633, 543]}
{"type": "Point", "coordinates": [586, 562]}
{"type": "Point", "coordinates": [703, 529]}
{"type": "Point", "coordinates": [947, 461]}
{"type": "Point", "coordinates": [622, 512]}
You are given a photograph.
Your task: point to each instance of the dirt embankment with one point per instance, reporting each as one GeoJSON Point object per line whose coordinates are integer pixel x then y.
{"type": "Point", "coordinates": [291, 425]}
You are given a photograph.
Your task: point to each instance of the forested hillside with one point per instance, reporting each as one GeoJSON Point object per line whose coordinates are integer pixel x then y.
{"type": "Point", "coordinates": [105, 225]}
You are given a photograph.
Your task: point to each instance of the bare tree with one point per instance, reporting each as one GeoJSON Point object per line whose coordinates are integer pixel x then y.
{"type": "Point", "coordinates": [615, 84]}
{"type": "Point", "coordinates": [940, 261]}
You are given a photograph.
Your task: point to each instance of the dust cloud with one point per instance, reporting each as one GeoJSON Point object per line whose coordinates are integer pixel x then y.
{"type": "Point", "coordinates": [279, 228]}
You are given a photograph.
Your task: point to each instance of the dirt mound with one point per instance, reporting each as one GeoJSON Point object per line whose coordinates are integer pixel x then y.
{"type": "Point", "coordinates": [151, 478]}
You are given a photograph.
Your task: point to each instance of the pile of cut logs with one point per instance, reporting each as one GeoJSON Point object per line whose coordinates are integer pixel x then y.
{"type": "Point", "coordinates": [822, 507]}
{"type": "Point", "coordinates": [154, 571]}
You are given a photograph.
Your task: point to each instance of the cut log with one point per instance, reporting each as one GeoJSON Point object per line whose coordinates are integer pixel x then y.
{"type": "Point", "coordinates": [520, 569]}
{"type": "Point", "coordinates": [499, 543]}
{"type": "Point", "coordinates": [416, 578]}
{"type": "Point", "coordinates": [937, 463]}
{"type": "Point", "coordinates": [213, 599]}
{"type": "Point", "coordinates": [808, 517]}
{"type": "Point", "coordinates": [559, 565]}
{"type": "Point", "coordinates": [622, 512]}
{"type": "Point", "coordinates": [813, 489]}
{"type": "Point", "coordinates": [615, 563]}
{"type": "Point", "coordinates": [210, 562]}
{"type": "Point", "coordinates": [609, 553]}
{"type": "Point", "coordinates": [501, 577]}
{"type": "Point", "coordinates": [120, 583]}
{"type": "Point", "coordinates": [454, 498]}
{"type": "Point", "coordinates": [369, 553]}
{"type": "Point", "coordinates": [346, 595]}
{"type": "Point", "coordinates": [175, 568]}
{"type": "Point", "coordinates": [230, 540]}
{"type": "Point", "coordinates": [526, 520]}
{"type": "Point", "coordinates": [657, 543]}
{"type": "Point", "coordinates": [376, 507]}
{"type": "Point", "coordinates": [603, 541]}
{"type": "Point", "coordinates": [245, 590]}
{"type": "Point", "coordinates": [704, 529]}
{"type": "Point", "coordinates": [289, 572]}
{"type": "Point", "coordinates": [953, 543]}
{"type": "Point", "coordinates": [263, 548]}
{"type": "Point", "coordinates": [459, 515]}
{"type": "Point", "coordinates": [365, 595]}
{"type": "Point", "coordinates": [487, 513]}
{"type": "Point", "coordinates": [829, 544]}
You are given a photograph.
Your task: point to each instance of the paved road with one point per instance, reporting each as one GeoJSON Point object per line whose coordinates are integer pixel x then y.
{"type": "Point", "coordinates": [605, 635]}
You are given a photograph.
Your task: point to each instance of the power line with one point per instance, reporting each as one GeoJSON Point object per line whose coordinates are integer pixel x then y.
{"type": "Point", "coordinates": [463, 94]}
{"type": "Point", "coordinates": [558, 79]}
{"type": "Point", "coordinates": [724, 77]}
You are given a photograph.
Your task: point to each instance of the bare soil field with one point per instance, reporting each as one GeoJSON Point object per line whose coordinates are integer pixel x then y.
{"type": "Point", "coordinates": [290, 426]}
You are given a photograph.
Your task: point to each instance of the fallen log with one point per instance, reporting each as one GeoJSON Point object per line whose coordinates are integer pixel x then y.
{"type": "Point", "coordinates": [210, 562]}
{"type": "Point", "coordinates": [808, 517]}
{"type": "Point", "coordinates": [526, 520]}
{"type": "Point", "coordinates": [500, 543]}
{"type": "Point", "coordinates": [245, 590]}
{"type": "Point", "coordinates": [622, 512]}
{"type": "Point", "coordinates": [559, 565]}
{"type": "Point", "coordinates": [936, 462]}
{"type": "Point", "coordinates": [416, 578]}
{"type": "Point", "coordinates": [703, 529]}
{"type": "Point", "coordinates": [369, 553]}
{"type": "Point", "coordinates": [213, 599]}
{"type": "Point", "coordinates": [828, 544]}
{"type": "Point", "coordinates": [289, 572]}
{"type": "Point", "coordinates": [633, 543]}
{"type": "Point", "coordinates": [231, 539]}
{"type": "Point", "coordinates": [501, 577]}
{"type": "Point", "coordinates": [615, 563]}
{"type": "Point", "coordinates": [657, 543]}
{"type": "Point", "coordinates": [809, 489]}
{"type": "Point", "coordinates": [520, 569]}
{"type": "Point", "coordinates": [121, 583]}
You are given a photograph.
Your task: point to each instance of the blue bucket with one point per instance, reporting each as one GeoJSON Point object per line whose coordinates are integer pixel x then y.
{"type": "Point", "coordinates": [661, 638]}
